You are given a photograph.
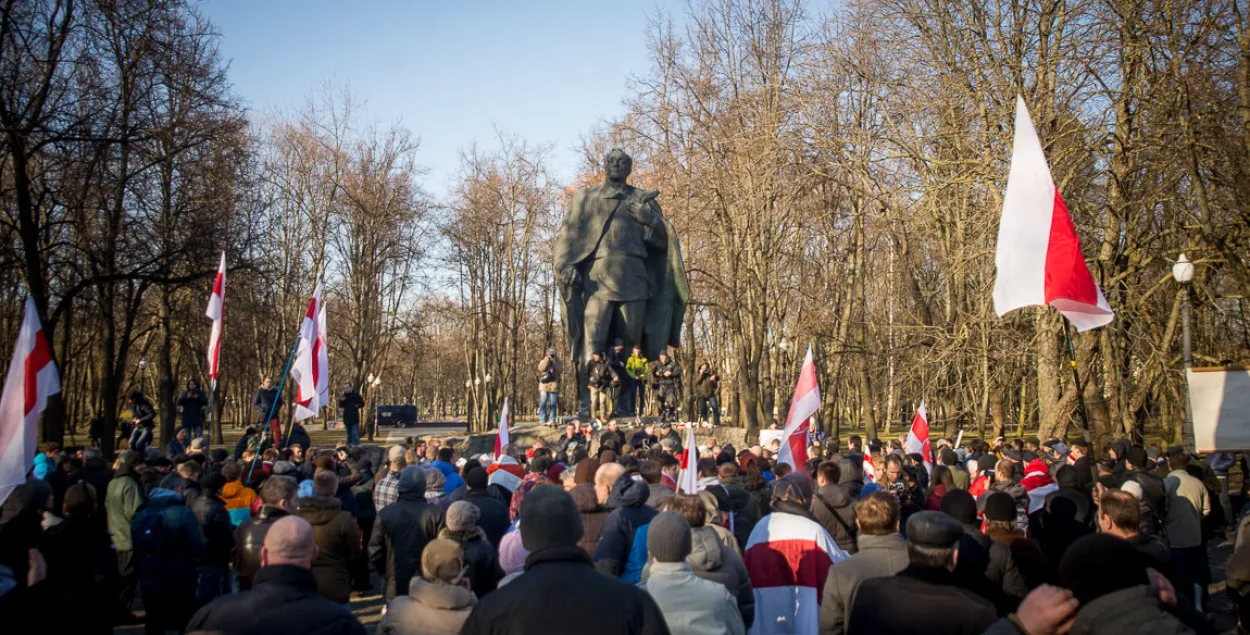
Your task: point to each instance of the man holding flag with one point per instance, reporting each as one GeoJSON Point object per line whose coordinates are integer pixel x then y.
{"type": "Point", "coordinates": [788, 554]}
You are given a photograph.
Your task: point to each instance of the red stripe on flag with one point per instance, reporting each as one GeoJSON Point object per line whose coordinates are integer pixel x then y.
{"type": "Point", "coordinates": [1067, 277]}
{"type": "Point", "coordinates": [794, 562]}
{"type": "Point", "coordinates": [39, 357]}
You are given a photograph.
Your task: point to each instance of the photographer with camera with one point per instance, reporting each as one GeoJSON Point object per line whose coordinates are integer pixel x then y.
{"type": "Point", "coordinates": [619, 387]}
{"type": "Point", "coordinates": [666, 378]}
{"type": "Point", "coordinates": [897, 482]}
{"type": "Point", "coordinates": [705, 386]}
{"type": "Point", "coordinates": [599, 381]}
{"type": "Point", "coordinates": [549, 370]}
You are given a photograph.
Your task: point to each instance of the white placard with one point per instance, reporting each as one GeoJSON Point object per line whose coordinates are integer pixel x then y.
{"type": "Point", "coordinates": [768, 436]}
{"type": "Point", "coordinates": [1220, 402]}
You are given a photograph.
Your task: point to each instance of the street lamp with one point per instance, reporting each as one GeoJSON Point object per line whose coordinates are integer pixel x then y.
{"type": "Point", "coordinates": [1183, 273]}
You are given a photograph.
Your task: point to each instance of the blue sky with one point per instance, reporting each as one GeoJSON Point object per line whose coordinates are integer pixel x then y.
{"type": "Point", "coordinates": [453, 72]}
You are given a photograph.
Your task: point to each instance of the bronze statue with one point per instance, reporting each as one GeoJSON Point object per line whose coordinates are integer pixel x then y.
{"type": "Point", "coordinates": [619, 269]}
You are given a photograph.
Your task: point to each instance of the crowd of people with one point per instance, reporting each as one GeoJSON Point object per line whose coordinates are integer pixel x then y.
{"type": "Point", "coordinates": [618, 385]}
{"type": "Point", "coordinates": [592, 532]}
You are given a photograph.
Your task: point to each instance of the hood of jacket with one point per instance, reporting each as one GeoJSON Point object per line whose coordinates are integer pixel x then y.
{"type": "Point", "coordinates": [1016, 490]}
{"type": "Point", "coordinates": [626, 492]}
{"type": "Point", "coordinates": [160, 499]}
{"type": "Point", "coordinates": [319, 510]}
{"type": "Point", "coordinates": [440, 595]}
{"type": "Point", "coordinates": [705, 550]}
{"type": "Point", "coordinates": [232, 489]}
{"type": "Point", "coordinates": [443, 466]}
{"type": "Point", "coordinates": [585, 498]}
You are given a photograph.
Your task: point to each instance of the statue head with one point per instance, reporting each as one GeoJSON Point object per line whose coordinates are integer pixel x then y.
{"type": "Point", "coordinates": [617, 165]}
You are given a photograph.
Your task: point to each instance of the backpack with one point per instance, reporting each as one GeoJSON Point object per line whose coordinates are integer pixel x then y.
{"type": "Point", "coordinates": [150, 535]}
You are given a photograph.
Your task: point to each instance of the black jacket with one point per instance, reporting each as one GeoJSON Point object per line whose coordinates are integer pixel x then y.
{"type": "Point", "coordinates": [248, 540]}
{"type": "Point", "coordinates": [705, 386]}
{"type": "Point", "coordinates": [494, 519]}
{"type": "Point", "coordinates": [1154, 504]}
{"type": "Point", "coordinates": [835, 511]}
{"type": "Point", "coordinates": [218, 530]}
{"type": "Point", "coordinates": [628, 502]}
{"type": "Point", "coordinates": [263, 401]}
{"type": "Point", "coordinates": [144, 412]}
{"type": "Point", "coordinates": [598, 375]}
{"type": "Point", "coordinates": [80, 562]}
{"type": "Point", "coordinates": [910, 601]}
{"type": "Point", "coordinates": [351, 403]}
{"type": "Point", "coordinates": [400, 534]}
{"type": "Point", "coordinates": [298, 435]}
{"type": "Point", "coordinates": [481, 558]}
{"type": "Point", "coordinates": [587, 601]}
{"type": "Point", "coordinates": [283, 602]}
{"type": "Point", "coordinates": [338, 546]}
{"type": "Point", "coordinates": [987, 568]}
{"type": "Point", "coordinates": [192, 407]}
{"type": "Point", "coordinates": [659, 368]}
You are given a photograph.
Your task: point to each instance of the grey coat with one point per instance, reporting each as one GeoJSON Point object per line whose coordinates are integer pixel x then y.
{"type": "Point", "coordinates": [878, 557]}
{"type": "Point", "coordinates": [711, 559]}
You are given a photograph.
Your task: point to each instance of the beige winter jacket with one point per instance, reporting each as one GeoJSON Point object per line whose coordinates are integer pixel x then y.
{"type": "Point", "coordinates": [430, 608]}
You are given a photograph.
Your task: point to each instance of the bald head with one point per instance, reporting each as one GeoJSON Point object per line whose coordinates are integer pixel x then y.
{"type": "Point", "coordinates": [289, 541]}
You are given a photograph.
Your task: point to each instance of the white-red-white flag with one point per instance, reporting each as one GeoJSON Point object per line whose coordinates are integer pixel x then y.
{"type": "Point", "coordinates": [918, 438]}
{"type": "Point", "coordinates": [688, 478]}
{"type": "Point", "coordinates": [870, 471]}
{"type": "Point", "coordinates": [31, 380]}
{"type": "Point", "coordinates": [311, 370]}
{"type": "Point", "coordinates": [805, 403]}
{"type": "Point", "coordinates": [502, 438]}
{"type": "Point", "coordinates": [1039, 257]}
{"type": "Point", "coordinates": [216, 302]}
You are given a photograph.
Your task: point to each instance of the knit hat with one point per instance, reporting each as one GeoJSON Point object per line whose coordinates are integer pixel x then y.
{"type": "Point", "coordinates": [443, 560]}
{"type": "Point", "coordinates": [396, 452]}
{"type": "Point", "coordinates": [668, 537]}
{"type": "Point", "coordinates": [219, 455]}
{"type": "Point", "coordinates": [549, 520]}
{"type": "Point", "coordinates": [198, 443]}
{"type": "Point", "coordinates": [1098, 564]}
{"type": "Point", "coordinates": [512, 553]}
{"type": "Point", "coordinates": [213, 482]}
{"type": "Point", "coordinates": [462, 516]}
{"type": "Point", "coordinates": [435, 482]}
{"type": "Point", "coordinates": [554, 472]}
{"type": "Point", "coordinates": [1137, 456]}
{"type": "Point", "coordinates": [1000, 506]}
{"type": "Point", "coordinates": [412, 480]}
{"type": "Point", "coordinates": [283, 467]}
{"type": "Point", "coordinates": [585, 473]}
{"type": "Point", "coordinates": [476, 478]}
{"type": "Point", "coordinates": [960, 505]}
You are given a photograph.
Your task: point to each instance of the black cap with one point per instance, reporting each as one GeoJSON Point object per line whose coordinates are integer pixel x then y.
{"type": "Point", "coordinates": [1000, 506]}
{"type": "Point", "coordinates": [1014, 455]}
{"type": "Point", "coordinates": [933, 529]}
{"type": "Point", "coordinates": [960, 505]}
{"type": "Point", "coordinates": [1136, 455]}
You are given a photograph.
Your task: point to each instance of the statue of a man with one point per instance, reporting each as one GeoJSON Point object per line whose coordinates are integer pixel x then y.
{"type": "Point", "coordinates": [619, 269]}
